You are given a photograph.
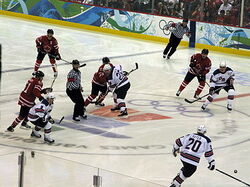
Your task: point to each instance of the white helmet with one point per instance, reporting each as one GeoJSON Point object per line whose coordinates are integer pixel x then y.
{"type": "Point", "coordinates": [107, 67]}
{"type": "Point", "coordinates": [50, 96]}
{"type": "Point", "coordinates": [223, 64]}
{"type": "Point", "coordinates": [202, 129]}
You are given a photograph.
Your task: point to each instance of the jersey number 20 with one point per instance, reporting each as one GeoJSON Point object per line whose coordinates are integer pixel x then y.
{"type": "Point", "coordinates": [194, 144]}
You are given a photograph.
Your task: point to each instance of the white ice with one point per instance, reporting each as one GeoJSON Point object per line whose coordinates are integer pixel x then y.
{"type": "Point", "coordinates": [141, 149]}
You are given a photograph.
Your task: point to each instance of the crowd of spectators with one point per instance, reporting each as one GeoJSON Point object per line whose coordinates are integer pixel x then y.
{"type": "Point", "coordinates": [214, 11]}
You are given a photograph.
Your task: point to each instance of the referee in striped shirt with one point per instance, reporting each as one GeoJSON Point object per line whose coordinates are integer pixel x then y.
{"type": "Point", "coordinates": [74, 91]}
{"type": "Point", "coordinates": [175, 37]}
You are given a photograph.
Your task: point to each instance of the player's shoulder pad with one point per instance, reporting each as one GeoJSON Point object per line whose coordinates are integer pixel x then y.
{"type": "Point", "coordinates": [216, 72]}
{"type": "Point", "coordinates": [228, 69]}
{"type": "Point", "coordinates": [206, 137]}
{"type": "Point", "coordinates": [45, 102]}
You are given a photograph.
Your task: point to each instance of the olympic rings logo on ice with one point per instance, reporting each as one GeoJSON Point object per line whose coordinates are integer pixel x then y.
{"type": "Point", "coordinates": [171, 106]}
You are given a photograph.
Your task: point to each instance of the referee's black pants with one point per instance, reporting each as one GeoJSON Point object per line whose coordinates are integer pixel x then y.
{"type": "Point", "coordinates": [173, 44]}
{"type": "Point", "coordinates": [77, 98]}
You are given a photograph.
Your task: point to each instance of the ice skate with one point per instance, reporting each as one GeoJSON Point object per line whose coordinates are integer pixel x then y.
{"type": "Point", "coordinates": [196, 96]}
{"type": "Point", "coordinates": [76, 118]}
{"type": "Point", "coordinates": [35, 134]}
{"type": "Point", "coordinates": [123, 113]}
{"type": "Point", "coordinates": [83, 116]}
{"type": "Point", "coordinates": [24, 125]}
{"type": "Point", "coordinates": [49, 140]}
{"type": "Point", "coordinates": [99, 104]}
{"type": "Point", "coordinates": [229, 107]}
{"type": "Point", "coordinates": [10, 129]}
{"type": "Point", "coordinates": [178, 93]}
{"type": "Point", "coordinates": [115, 108]}
{"type": "Point", "coordinates": [203, 107]}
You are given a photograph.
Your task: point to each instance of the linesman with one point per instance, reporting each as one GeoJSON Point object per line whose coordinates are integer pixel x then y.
{"type": "Point", "coordinates": [74, 91]}
{"type": "Point", "coordinates": [176, 36]}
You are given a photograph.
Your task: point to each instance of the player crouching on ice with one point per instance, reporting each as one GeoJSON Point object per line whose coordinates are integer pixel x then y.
{"type": "Point", "coordinates": [222, 78]}
{"type": "Point", "coordinates": [39, 115]}
{"type": "Point", "coordinates": [119, 84]}
{"type": "Point", "coordinates": [192, 146]}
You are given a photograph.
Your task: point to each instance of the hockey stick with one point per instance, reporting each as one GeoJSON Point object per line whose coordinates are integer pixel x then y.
{"type": "Point", "coordinates": [53, 82]}
{"type": "Point", "coordinates": [189, 101]}
{"type": "Point", "coordinates": [64, 60]}
{"type": "Point", "coordinates": [232, 177]}
{"type": "Point", "coordinates": [59, 122]}
{"type": "Point", "coordinates": [101, 98]}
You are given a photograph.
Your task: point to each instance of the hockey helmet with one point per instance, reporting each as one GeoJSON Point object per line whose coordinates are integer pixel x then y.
{"type": "Point", "coordinates": [202, 129]}
{"type": "Point", "coordinates": [50, 96]}
{"type": "Point", "coordinates": [75, 62]}
{"type": "Point", "coordinates": [185, 20]}
{"type": "Point", "coordinates": [223, 64]}
{"type": "Point", "coordinates": [50, 31]}
{"type": "Point", "coordinates": [105, 60]}
{"type": "Point", "coordinates": [205, 51]}
{"type": "Point", "coordinates": [107, 67]}
{"type": "Point", "coordinates": [38, 74]}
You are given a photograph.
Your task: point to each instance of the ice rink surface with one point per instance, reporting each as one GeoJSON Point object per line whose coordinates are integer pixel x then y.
{"type": "Point", "coordinates": [138, 145]}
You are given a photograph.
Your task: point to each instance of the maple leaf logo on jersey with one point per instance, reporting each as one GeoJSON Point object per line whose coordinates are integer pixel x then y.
{"type": "Point", "coordinates": [47, 48]}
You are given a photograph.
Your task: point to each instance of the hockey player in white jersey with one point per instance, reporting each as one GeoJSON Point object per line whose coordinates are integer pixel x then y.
{"type": "Point", "coordinates": [221, 78]}
{"type": "Point", "coordinates": [191, 148]}
{"type": "Point", "coordinates": [119, 84]}
{"type": "Point", "coordinates": [39, 115]}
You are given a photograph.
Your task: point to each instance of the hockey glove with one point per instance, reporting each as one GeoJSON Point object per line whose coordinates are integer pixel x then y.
{"type": "Point", "coordinates": [211, 165]}
{"type": "Point", "coordinates": [110, 89]}
{"type": "Point", "coordinates": [231, 82]}
{"type": "Point", "coordinates": [51, 120]}
{"type": "Point", "coordinates": [46, 118]}
{"type": "Point", "coordinates": [211, 90]}
{"type": "Point", "coordinates": [41, 98]}
{"type": "Point", "coordinates": [39, 50]}
{"type": "Point", "coordinates": [191, 65]}
{"type": "Point", "coordinates": [125, 73]}
{"type": "Point", "coordinates": [175, 151]}
{"type": "Point", "coordinates": [46, 90]}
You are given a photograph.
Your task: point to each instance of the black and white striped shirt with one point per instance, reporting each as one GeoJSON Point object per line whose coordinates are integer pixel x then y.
{"type": "Point", "coordinates": [179, 30]}
{"type": "Point", "coordinates": [73, 80]}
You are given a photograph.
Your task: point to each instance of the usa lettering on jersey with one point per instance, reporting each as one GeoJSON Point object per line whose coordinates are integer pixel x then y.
{"type": "Point", "coordinates": [193, 146]}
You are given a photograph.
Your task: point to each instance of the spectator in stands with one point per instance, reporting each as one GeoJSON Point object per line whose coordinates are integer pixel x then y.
{"type": "Point", "coordinates": [225, 6]}
{"type": "Point", "coordinates": [221, 17]}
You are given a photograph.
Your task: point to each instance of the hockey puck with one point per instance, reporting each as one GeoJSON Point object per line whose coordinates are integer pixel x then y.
{"type": "Point", "coordinates": [32, 154]}
{"type": "Point", "coordinates": [235, 171]}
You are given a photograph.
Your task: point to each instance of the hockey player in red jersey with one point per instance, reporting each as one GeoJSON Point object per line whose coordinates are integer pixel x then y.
{"type": "Point", "coordinates": [105, 60]}
{"type": "Point", "coordinates": [191, 148]}
{"type": "Point", "coordinates": [99, 84]}
{"type": "Point", "coordinates": [32, 90]}
{"type": "Point", "coordinates": [47, 44]}
{"type": "Point", "coordinates": [199, 66]}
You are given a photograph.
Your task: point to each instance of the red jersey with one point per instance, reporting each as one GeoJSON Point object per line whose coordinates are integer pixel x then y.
{"type": "Point", "coordinates": [31, 91]}
{"type": "Point", "coordinates": [100, 78]}
{"type": "Point", "coordinates": [101, 67]}
{"type": "Point", "coordinates": [199, 65]}
{"type": "Point", "coordinates": [49, 46]}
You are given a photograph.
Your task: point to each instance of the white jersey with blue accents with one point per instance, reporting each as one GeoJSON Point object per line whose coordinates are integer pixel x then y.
{"type": "Point", "coordinates": [221, 79]}
{"type": "Point", "coordinates": [40, 110]}
{"type": "Point", "coordinates": [193, 146]}
{"type": "Point", "coordinates": [118, 79]}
